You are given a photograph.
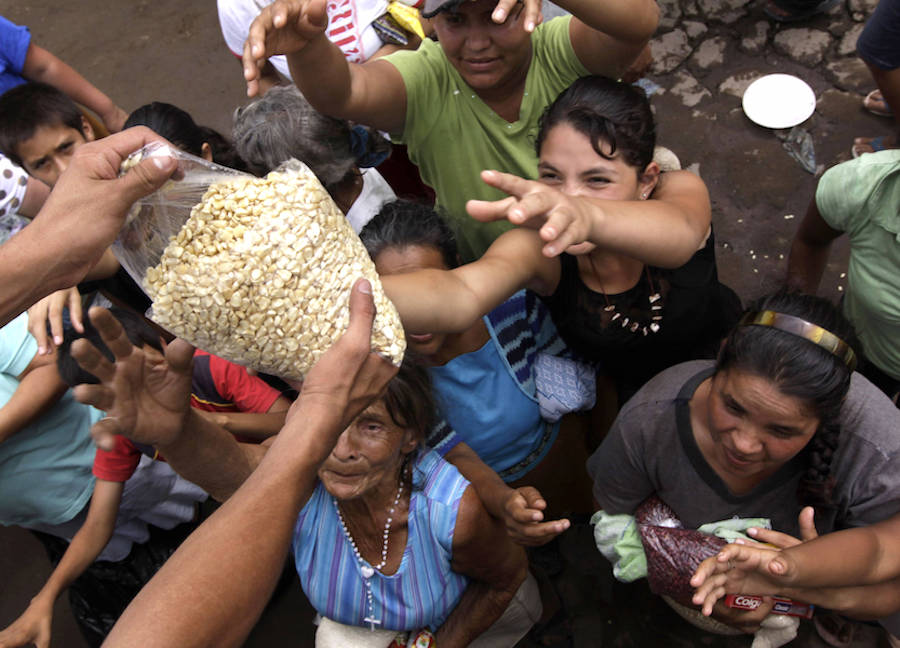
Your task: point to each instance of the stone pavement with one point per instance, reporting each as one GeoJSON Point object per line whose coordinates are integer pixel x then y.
{"type": "Point", "coordinates": [706, 52]}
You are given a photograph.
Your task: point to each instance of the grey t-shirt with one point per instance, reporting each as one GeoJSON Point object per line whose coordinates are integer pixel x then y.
{"type": "Point", "coordinates": [651, 449]}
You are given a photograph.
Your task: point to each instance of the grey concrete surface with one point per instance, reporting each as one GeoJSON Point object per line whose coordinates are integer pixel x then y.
{"type": "Point", "coordinates": [707, 52]}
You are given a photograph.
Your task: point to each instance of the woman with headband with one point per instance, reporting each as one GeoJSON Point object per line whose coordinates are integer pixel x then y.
{"type": "Point", "coordinates": [778, 423]}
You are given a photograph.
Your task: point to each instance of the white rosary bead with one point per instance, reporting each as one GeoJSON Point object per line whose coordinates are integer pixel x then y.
{"type": "Point", "coordinates": [368, 571]}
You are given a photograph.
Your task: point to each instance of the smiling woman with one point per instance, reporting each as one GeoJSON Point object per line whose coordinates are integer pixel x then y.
{"type": "Point", "coordinates": [778, 422]}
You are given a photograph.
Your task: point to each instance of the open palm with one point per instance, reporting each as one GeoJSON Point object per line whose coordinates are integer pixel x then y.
{"type": "Point", "coordinates": [146, 397]}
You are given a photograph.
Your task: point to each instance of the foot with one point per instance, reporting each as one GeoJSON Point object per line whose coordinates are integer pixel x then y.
{"type": "Point", "coordinates": [862, 145]}
{"type": "Point", "coordinates": [875, 104]}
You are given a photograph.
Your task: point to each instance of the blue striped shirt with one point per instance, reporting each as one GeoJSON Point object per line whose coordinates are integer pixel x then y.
{"type": "Point", "coordinates": [422, 592]}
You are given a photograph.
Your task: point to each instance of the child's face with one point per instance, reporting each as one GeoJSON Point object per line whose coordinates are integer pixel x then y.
{"type": "Point", "coordinates": [47, 153]}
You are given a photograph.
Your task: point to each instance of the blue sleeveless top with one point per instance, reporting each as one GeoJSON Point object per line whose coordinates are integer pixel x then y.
{"type": "Point", "coordinates": [424, 590]}
{"type": "Point", "coordinates": [490, 410]}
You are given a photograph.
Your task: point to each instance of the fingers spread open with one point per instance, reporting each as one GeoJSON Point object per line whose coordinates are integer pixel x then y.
{"type": "Point", "coordinates": [111, 332]}
{"type": "Point", "coordinates": [104, 432]}
{"type": "Point", "coordinates": [94, 395]}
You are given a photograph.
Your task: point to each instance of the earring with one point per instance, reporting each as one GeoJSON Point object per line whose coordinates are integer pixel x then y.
{"type": "Point", "coordinates": [644, 196]}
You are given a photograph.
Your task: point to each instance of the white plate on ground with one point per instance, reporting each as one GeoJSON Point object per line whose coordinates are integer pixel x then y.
{"type": "Point", "coordinates": [779, 101]}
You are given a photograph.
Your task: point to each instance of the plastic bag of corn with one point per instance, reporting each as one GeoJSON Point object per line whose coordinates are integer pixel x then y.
{"type": "Point", "coordinates": [255, 270]}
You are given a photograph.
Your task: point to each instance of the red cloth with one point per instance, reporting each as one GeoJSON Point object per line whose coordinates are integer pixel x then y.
{"type": "Point", "coordinates": [217, 386]}
{"type": "Point", "coordinates": [118, 464]}
{"type": "Point", "coordinates": [222, 386]}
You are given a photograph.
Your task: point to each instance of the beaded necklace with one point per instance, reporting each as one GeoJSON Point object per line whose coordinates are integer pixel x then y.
{"type": "Point", "coordinates": [368, 571]}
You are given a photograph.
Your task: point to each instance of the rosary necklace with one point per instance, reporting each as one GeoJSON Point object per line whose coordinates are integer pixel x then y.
{"type": "Point", "coordinates": [368, 571]}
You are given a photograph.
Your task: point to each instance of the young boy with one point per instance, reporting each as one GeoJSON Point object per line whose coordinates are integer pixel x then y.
{"type": "Point", "coordinates": [255, 409]}
{"type": "Point", "coordinates": [40, 130]}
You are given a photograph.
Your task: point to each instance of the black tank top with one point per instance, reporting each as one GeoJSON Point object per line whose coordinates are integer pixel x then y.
{"type": "Point", "coordinates": [617, 331]}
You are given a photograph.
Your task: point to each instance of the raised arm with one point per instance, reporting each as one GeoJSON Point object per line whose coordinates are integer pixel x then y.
{"type": "Point", "coordinates": [148, 400]}
{"type": "Point", "coordinates": [608, 36]}
{"type": "Point", "coordinates": [41, 65]}
{"type": "Point", "coordinates": [372, 93]}
{"type": "Point", "coordinates": [34, 626]}
{"type": "Point", "coordinates": [664, 231]}
{"type": "Point", "coordinates": [449, 301]}
{"type": "Point", "coordinates": [809, 251]}
{"type": "Point", "coordinates": [496, 568]}
{"type": "Point", "coordinates": [192, 600]}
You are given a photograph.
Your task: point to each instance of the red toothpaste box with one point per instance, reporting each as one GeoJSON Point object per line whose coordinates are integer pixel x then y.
{"type": "Point", "coordinates": [782, 605]}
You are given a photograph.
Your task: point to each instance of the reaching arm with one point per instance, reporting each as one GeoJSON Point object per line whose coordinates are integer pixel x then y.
{"type": "Point", "coordinates": [193, 600]}
{"type": "Point", "coordinates": [496, 568]}
{"type": "Point", "coordinates": [664, 231]}
{"type": "Point", "coordinates": [35, 623]}
{"type": "Point", "coordinates": [520, 509]}
{"type": "Point", "coordinates": [809, 251]}
{"type": "Point", "coordinates": [256, 426]}
{"type": "Point", "coordinates": [41, 65]}
{"type": "Point", "coordinates": [148, 400]}
{"type": "Point", "coordinates": [39, 388]}
{"type": "Point", "coordinates": [372, 93]}
{"type": "Point", "coordinates": [80, 219]}
{"type": "Point", "coordinates": [450, 301]}
{"type": "Point", "coordinates": [608, 36]}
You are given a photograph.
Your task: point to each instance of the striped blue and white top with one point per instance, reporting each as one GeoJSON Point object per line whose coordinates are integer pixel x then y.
{"type": "Point", "coordinates": [422, 592]}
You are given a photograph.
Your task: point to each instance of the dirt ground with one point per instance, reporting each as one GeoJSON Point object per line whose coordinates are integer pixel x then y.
{"type": "Point", "coordinates": [169, 50]}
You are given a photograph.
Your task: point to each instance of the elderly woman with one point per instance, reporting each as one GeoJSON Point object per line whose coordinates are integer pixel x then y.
{"type": "Point", "coordinates": [393, 537]}
{"type": "Point", "coordinates": [282, 125]}
{"type": "Point", "coordinates": [778, 422]}
{"type": "Point", "coordinates": [390, 538]}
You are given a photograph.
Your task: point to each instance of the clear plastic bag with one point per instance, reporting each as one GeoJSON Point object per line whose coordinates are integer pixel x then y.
{"type": "Point", "coordinates": [255, 270]}
{"type": "Point", "coordinates": [673, 552]}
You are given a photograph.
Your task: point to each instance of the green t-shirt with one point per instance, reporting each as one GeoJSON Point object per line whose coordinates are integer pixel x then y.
{"type": "Point", "coordinates": [452, 134]}
{"type": "Point", "coordinates": [862, 198]}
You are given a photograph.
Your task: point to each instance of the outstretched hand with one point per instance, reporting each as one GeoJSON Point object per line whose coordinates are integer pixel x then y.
{"type": "Point", "coordinates": [283, 27]}
{"type": "Point", "coordinates": [761, 569]}
{"type": "Point", "coordinates": [562, 221]}
{"type": "Point", "coordinates": [32, 628]}
{"type": "Point", "coordinates": [524, 515]}
{"type": "Point", "coordinates": [146, 398]}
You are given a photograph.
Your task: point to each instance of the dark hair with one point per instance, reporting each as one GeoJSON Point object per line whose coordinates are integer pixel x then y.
{"type": "Point", "coordinates": [409, 401]}
{"type": "Point", "coordinates": [30, 106]}
{"type": "Point", "coordinates": [282, 125]}
{"type": "Point", "coordinates": [179, 127]}
{"type": "Point", "coordinates": [801, 369]}
{"type": "Point", "coordinates": [136, 328]}
{"type": "Point", "coordinates": [403, 223]}
{"type": "Point", "coordinates": [603, 109]}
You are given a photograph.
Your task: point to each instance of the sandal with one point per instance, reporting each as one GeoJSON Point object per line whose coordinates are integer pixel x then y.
{"type": "Point", "coordinates": [778, 14]}
{"type": "Point", "coordinates": [875, 104]}
{"type": "Point", "coordinates": [863, 145]}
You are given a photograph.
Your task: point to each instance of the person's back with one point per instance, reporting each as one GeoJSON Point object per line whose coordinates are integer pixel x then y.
{"type": "Point", "coordinates": [45, 467]}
